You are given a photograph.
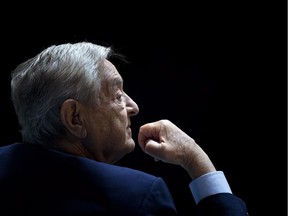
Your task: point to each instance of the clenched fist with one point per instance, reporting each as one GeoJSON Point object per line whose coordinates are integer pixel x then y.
{"type": "Point", "coordinates": [164, 141]}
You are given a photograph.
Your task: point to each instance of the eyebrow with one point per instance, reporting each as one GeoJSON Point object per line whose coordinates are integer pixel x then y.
{"type": "Point", "coordinates": [118, 81]}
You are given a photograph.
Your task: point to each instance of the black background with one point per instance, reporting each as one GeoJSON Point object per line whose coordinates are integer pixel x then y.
{"type": "Point", "coordinates": [216, 69]}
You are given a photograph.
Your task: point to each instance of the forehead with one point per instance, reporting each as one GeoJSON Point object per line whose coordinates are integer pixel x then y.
{"type": "Point", "coordinates": [111, 74]}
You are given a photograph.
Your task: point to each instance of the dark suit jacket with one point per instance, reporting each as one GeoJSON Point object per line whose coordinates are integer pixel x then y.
{"type": "Point", "coordinates": [40, 181]}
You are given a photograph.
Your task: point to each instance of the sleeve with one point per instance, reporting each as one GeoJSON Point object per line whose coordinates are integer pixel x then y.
{"type": "Point", "coordinates": [209, 184]}
{"type": "Point", "coordinates": [214, 197]}
{"type": "Point", "coordinates": [222, 204]}
{"type": "Point", "coordinates": [158, 201]}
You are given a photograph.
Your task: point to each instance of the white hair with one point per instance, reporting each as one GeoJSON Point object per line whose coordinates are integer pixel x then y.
{"type": "Point", "coordinates": [41, 84]}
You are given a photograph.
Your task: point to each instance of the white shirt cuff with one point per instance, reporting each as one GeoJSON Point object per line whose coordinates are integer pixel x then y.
{"type": "Point", "coordinates": [209, 184]}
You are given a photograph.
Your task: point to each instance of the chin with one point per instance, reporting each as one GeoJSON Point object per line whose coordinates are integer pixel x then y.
{"type": "Point", "coordinates": [128, 149]}
{"type": "Point", "coordinates": [130, 146]}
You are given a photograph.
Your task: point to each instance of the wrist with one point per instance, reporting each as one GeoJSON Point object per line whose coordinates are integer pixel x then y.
{"type": "Point", "coordinates": [197, 163]}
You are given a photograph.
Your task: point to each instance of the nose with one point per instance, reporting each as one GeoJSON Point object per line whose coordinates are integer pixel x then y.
{"type": "Point", "coordinates": [131, 106]}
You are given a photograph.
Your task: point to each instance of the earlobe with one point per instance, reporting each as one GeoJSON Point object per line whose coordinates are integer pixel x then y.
{"type": "Point", "coordinates": [71, 117]}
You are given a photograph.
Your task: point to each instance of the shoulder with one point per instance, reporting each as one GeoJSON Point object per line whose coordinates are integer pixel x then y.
{"type": "Point", "coordinates": [35, 156]}
{"type": "Point", "coordinates": [112, 171]}
{"type": "Point", "coordinates": [69, 178]}
{"type": "Point", "coordinates": [40, 163]}
{"type": "Point", "coordinates": [43, 155]}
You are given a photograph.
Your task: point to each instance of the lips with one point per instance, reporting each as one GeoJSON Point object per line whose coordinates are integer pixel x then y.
{"type": "Point", "coordinates": [129, 131]}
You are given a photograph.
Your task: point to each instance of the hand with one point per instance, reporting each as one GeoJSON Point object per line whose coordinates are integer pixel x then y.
{"type": "Point", "coordinates": [166, 142]}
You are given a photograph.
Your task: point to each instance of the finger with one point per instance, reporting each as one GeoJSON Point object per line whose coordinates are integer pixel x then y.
{"type": "Point", "coordinates": [147, 131]}
{"type": "Point", "coordinates": [153, 148]}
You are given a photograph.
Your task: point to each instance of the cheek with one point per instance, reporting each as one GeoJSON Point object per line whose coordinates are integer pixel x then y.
{"type": "Point", "coordinates": [119, 122]}
{"type": "Point", "coordinates": [119, 112]}
{"type": "Point", "coordinates": [113, 122]}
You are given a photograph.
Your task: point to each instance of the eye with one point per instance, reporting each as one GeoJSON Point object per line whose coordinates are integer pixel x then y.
{"type": "Point", "coordinates": [119, 96]}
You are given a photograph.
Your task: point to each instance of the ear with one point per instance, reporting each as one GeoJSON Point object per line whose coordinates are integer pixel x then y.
{"type": "Point", "coordinates": [72, 117]}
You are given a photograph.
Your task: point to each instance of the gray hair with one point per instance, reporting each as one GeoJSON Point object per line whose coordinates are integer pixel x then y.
{"type": "Point", "coordinates": [41, 84]}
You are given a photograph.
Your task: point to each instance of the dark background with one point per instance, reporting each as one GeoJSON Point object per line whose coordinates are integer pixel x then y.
{"type": "Point", "coordinates": [216, 69]}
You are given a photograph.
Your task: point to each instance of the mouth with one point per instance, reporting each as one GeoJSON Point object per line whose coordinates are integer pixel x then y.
{"type": "Point", "coordinates": [129, 131]}
{"type": "Point", "coordinates": [129, 122]}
